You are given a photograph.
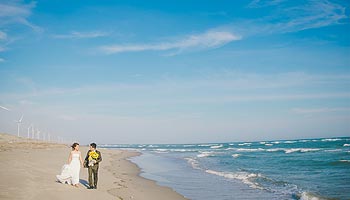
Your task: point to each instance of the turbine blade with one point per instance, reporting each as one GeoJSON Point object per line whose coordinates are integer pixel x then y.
{"type": "Point", "coordinates": [20, 119]}
{"type": "Point", "coordinates": [5, 108]}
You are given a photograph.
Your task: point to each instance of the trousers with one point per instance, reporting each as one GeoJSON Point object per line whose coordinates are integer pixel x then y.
{"type": "Point", "coordinates": [93, 175]}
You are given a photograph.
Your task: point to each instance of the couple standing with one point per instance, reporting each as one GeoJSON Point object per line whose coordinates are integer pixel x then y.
{"type": "Point", "coordinates": [70, 172]}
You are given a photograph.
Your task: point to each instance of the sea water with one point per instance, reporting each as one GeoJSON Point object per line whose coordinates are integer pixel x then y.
{"type": "Point", "coordinates": [290, 169]}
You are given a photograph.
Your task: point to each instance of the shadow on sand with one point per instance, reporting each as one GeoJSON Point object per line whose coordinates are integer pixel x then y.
{"type": "Point", "coordinates": [84, 182]}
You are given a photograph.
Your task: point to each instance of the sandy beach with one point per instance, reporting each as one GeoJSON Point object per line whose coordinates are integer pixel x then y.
{"type": "Point", "coordinates": [29, 170]}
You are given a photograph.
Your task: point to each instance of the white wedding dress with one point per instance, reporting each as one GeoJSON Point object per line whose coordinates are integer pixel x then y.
{"type": "Point", "coordinates": [70, 172]}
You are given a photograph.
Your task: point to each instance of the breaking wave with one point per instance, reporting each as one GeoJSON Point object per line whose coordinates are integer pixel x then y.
{"type": "Point", "coordinates": [242, 176]}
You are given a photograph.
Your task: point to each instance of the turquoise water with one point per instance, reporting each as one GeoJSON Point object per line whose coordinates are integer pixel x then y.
{"type": "Point", "coordinates": [294, 169]}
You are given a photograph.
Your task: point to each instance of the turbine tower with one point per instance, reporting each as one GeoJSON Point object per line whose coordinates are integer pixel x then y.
{"type": "Point", "coordinates": [33, 133]}
{"type": "Point", "coordinates": [29, 127]}
{"type": "Point", "coordinates": [19, 124]}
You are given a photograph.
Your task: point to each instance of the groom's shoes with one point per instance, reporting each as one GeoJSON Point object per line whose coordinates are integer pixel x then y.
{"type": "Point", "coordinates": [91, 187]}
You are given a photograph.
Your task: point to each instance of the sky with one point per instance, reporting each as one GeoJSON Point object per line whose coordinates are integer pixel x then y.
{"type": "Point", "coordinates": [184, 71]}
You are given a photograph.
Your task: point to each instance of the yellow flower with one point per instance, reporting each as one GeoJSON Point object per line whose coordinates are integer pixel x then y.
{"type": "Point", "coordinates": [93, 155]}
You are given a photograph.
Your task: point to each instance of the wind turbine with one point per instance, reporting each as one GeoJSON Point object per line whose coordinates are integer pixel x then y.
{"type": "Point", "coordinates": [19, 124]}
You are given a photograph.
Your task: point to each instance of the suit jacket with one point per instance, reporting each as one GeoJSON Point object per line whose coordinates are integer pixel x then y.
{"type": "Point", "coordinates": [99, 159]}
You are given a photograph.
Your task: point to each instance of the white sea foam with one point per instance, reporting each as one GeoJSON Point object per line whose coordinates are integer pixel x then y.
{"type": "Point", "coordinates": [331, 140]}
{"type": "Point", "coordinates": [275, 149]}
{"type": "Point", "coordinates": [193, 162]}
{"type": "Point", "coordinates": [204, 154]}
{"type": "Point", "coordinates": [332, 150]}
{"type": "Point", "coordinates": [302, 150]}
{"type": "Point", "coordinates": [276, 142]}
{"type": "Point", "coordinates": [245, 144]}
{"type": "Point", "coordinates": [289, 142]}
{"type": "Point", "coordinates": [250, 150]}
{"type": "Point", "coordinates": [262, 142]}
{"type": "Point", "coordinates": [216, 146]}
{"type": "Point", "coordinates": [230, 148]}
{"type": "Point", "coordinates": [309, 196]}
{"type": "Point", "coordinates": [161, 150]}
{"type": "Point", "coordinates": [182, 150]}
{"type": "Point", "coordinates": [236, 155]}
{"type": "Point", "coordinates": [344, 160]}
{"type": "Point", "coordinates": [268, 144]}
{"type": "Point", "coordinates": [346, 145]}
{"type": "Point", "coordinates": [242, 176]}
{"type": "Point", "coordinates": [205, 145]}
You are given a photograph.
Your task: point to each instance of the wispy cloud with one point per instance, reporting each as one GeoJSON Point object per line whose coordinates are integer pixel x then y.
{"type": "Point", "coordinates": [264, 3]}
{"type": "Point", "coordinates": [3, 35]}
{"type": "Point", "coordinates": [227, 87]}
{"type": "Point", "coordinates": [314, 14]}
{"type": "Point", "coordinates": [16, 12]}
{"type": "Point", "coordinates": [208, 40]}
{"type": "Point", "coordinates": [81, 35]}
{"type": "Point", "coordinates": [285, 18]}
{"type": "Point", "coordinates": [288, 17]}
{"type": "Point", "coordinates": [319, 110]}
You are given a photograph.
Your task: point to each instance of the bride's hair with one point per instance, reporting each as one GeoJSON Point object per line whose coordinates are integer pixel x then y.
{"type": "Point", "coordinates": [74, 145]}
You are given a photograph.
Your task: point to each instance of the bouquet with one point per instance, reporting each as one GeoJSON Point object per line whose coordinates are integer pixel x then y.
{"type": "Point", "coordinates": [93, 156]}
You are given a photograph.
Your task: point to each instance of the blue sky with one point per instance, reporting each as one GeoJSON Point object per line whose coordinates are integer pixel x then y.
{"type": "Point", "coordinates": [176, 71]}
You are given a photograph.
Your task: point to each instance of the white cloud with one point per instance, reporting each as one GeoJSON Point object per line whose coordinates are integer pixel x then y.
{"type": "Point", "coordinates": [207, 40]}
{"type": "Point", "coordinates": [285, 18]}
{"type": "Point", "coordinates": [289, 16]}
{"type": "Point", "coordinates": [81, 35]}
{"type": "Point", "coordinates": [14, 12]}
{"type": "Point", "coordinates": [228, 86]}
{"type": "Point", "coordinates": [264, 3]}
{"type": "Point", "coordinates": [314, 14]}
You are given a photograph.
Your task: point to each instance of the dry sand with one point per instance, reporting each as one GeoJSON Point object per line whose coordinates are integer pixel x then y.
{"type": "Point", "coordinates": [28, 170]}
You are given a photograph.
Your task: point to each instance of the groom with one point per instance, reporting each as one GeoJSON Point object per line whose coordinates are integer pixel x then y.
{"type": "Point", "coordinates": [93, 158]}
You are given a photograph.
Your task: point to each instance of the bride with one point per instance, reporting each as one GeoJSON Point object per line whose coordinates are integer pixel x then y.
{"type": "Point", "coordinates": [70, 172]}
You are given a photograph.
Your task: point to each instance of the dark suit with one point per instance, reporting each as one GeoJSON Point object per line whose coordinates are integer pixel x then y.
{"type": "Point", "coordinates": [93, 170]}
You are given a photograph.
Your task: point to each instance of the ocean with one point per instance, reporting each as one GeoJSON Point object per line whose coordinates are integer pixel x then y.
{"type": "Point", "coordinates": [284, 169]}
